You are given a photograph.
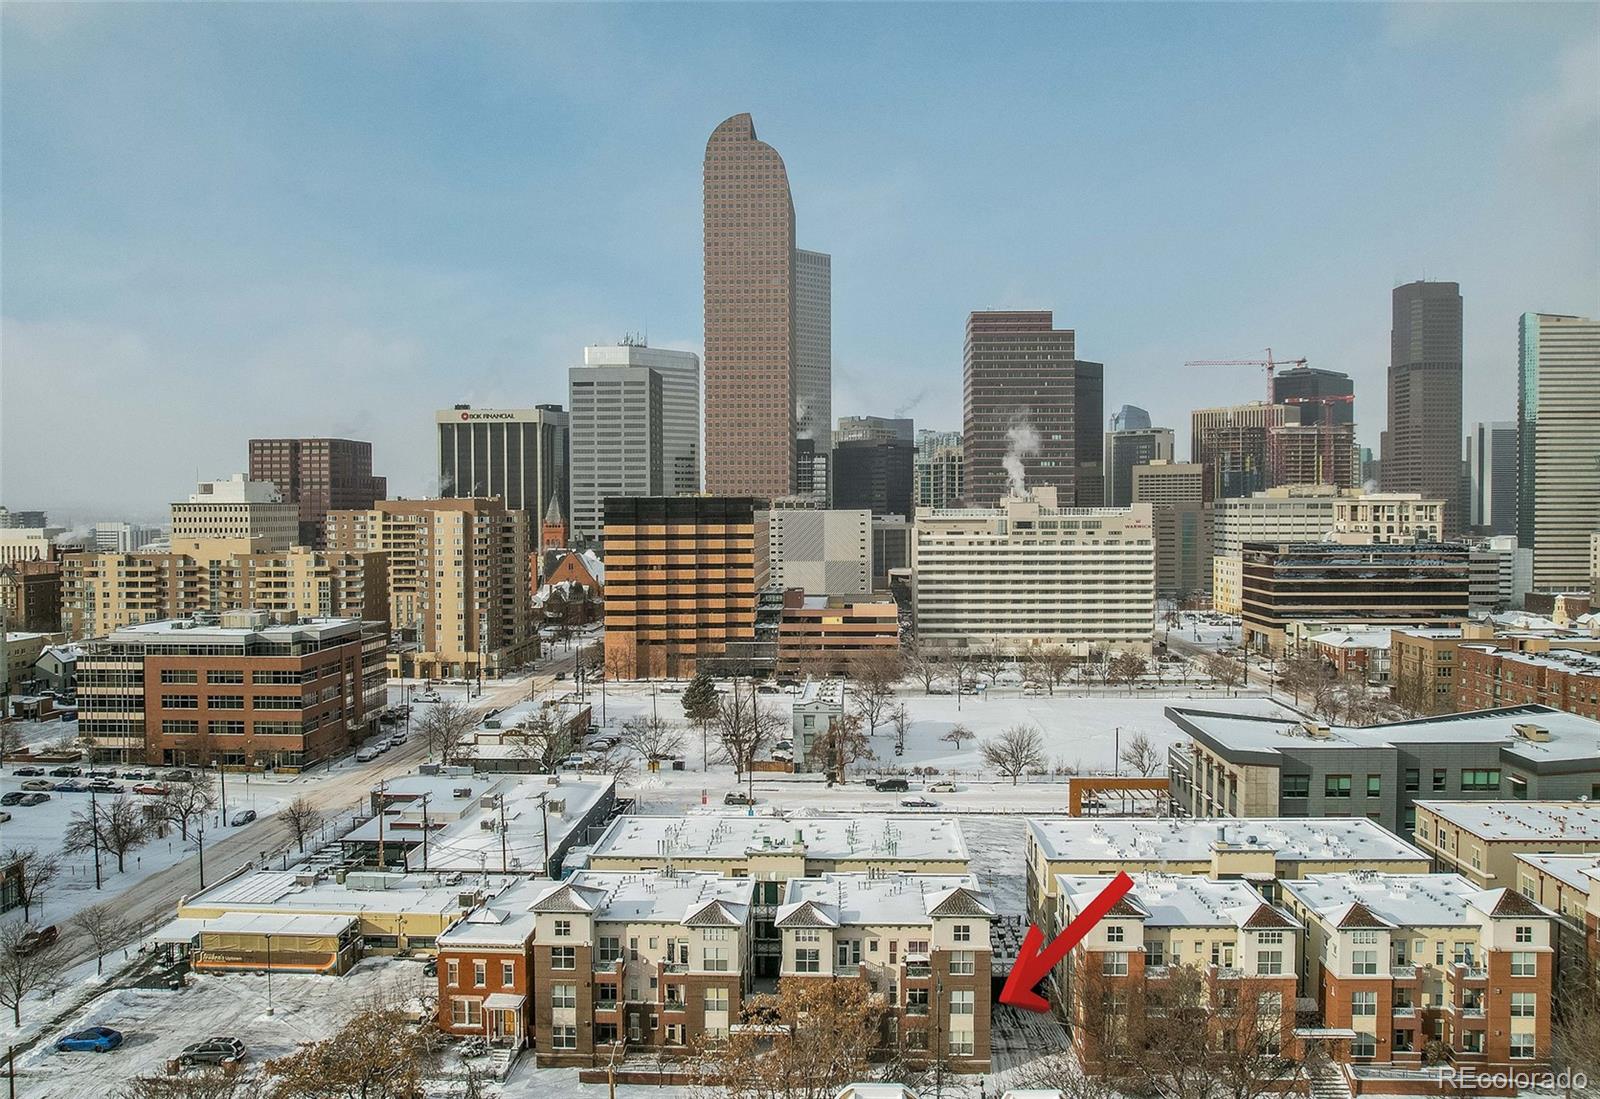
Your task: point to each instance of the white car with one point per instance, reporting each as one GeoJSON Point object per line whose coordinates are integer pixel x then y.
{"type": "Point", "coordinates": [942, 788]}
{"type": "Point", "coordinates": [917, 802]}
{"type": "Point", "coordinates": [366, 755]}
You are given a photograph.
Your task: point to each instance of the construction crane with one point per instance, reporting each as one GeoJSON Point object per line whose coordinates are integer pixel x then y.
{"type": "Point", "coordinates": [1269, 362]}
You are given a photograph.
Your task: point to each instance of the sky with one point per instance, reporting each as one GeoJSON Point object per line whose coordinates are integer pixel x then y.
{"type": "Point", "coordinates": [225, 221]}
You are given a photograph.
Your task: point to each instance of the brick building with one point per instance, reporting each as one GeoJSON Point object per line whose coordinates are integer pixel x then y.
{"type": "Point", "coordinates": [1481, 840]}
{"type": "Point", "coordinates": [30, 595]}
{"type": "Point", "coordinates": [1404, 960]}
{"type": "Point", "coordinates": [1564, 679]}
{"type": "Point", "coordinates": [818, 634]}
{"type": "Point", "coordinates": [242, 691]}
{"type": "Point", "coordinates": [318, 475]}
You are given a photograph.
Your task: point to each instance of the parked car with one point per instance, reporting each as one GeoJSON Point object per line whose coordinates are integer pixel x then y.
{"type": "Point", "coordinates": [671, 689]}
{"type": "Point", "coordinates": [4, 816]}
{"type": "Point", "coordinates": [429, 697]}
{"type": "Point", "coordinates": [38, 784]}
{"type": "Point", "coordinates": [156, 788]}
{"type": "Point", "coordinates": [66, 772]}
{"type": "Point", "coordinates": [944, 787]}
{"type": "Point", "coordinates": [37, 938]}
{"type": "Point", "coordinates": [366, 755]}
{"type": "Point", "coordinates": [96, 1039]}
{"type": "Point", "coordinates": [22, 772]}
{"type": "Point", "coordinates": [103, 787]}
{"type": "Point", "coordinates": [243, 816]}
{"type": "Point", "coordinates": [137, 776]}
{"type": "Point", "coordinates": [71, 786]}
{"type": "Point", "coordinates": [917, 801]}
{"type": "Point", "coordinates": [738, 799]}
{"type": "Point", "coordinates": [11, 797]}
{"type": "Point", "coordinates": [891, 785]}
{"type": "Point", "coordinates": [769, 689]}
{"type": "Point", "coordinates": [34, 799]}
{"type": "Point", "coordinates": [102, 773]}
{"type": "Point", "coordinates": [397, 739]}
{"type": "Point", "coordinates": [180, 775]}
{"type": "Point", "coordinates": [212, 1051]}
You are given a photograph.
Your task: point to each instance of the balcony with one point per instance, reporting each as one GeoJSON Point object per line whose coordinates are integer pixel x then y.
{"type": "Point", "coordinates": [916, 1009]}
{"type": "Point", "coordinates": [1403, 972]}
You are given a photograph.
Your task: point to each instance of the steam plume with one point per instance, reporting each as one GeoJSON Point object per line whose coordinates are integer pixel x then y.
{"type": "Point", "coordinates": [1021, 441]}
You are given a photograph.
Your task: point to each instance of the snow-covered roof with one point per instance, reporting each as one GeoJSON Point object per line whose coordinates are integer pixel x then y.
{"type": "Point", "coordinates": [835, 900]}
{"type": "Point", "coordinates": [1578, 871]}
{"type": "Point", "coordinates": [1353, 639]}
{"type": "Point", "coordinates": [277, 923]}
{"type": "Point", "coordinates": [720, 836]}
{"type": "Point", "coordinates": [1522, 821]}
{"type": "Point", "coordinates": [1177, 900]}
{"type": "Point", "coordinates": [504, 920]}
{"type": "Point", "coordinates": [281, 891]}
{"type": "Point", "coordinates": [1294, 839]}
{"type": "Point", "coordinates": [1403, 900]}
{"type": "Point", "coordinates": [694, 898]}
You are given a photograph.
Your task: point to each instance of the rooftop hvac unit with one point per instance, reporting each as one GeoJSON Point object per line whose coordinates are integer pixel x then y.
{"type": "Point", "coordinates": [488, 824]}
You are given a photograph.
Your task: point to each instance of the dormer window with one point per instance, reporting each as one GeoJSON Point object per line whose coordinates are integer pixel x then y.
{"type": "Point", "coordinates": [1524, 933]}
{"type": "Point", "coordinates": [563, 929]}
{"type": "Point", "coordinates": [1115, 934]}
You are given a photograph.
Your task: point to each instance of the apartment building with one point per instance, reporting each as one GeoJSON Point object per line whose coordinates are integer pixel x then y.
{"type": "Point", "coordinates": [822, 635]}
{"type": "Point", "coordinates": [1565, 679]}
{"type": "Point", "coordinates": [1237, 765]}
{"type": "Point", "coordinates": [817, 709]}
{"type": "Point", "coordinates": [239, 689]}
{"type": "Point", "coordinates": [1031, 573]}
{"type": "Point", "coordinates": [1558, 466]}
{"type": "Point", "coordinates": [940, 469]}
{"type": "Point", "coordinates": [1260, 851]}
{"type": "Point", "coordinates": [1568, 885]}
{"type": "Point", "coordinates": [237, 508]}
{"type": "Point", "coordinates": [30, 595]}
{"type": "Point", "coordinates": [682, 574]}
{"type": "Point", "coordinates": [457, 579]}
{"type": "Point", "coordinates": [1482, 840]}
{"type": "Point", "coordinates": [774, 850]}
{"type": "Point", "coordinates": [1330, 584]}
{"type": "Point", "coordinates": [102, 592]}
{"type": "Point", "coordinates": [1405, 960]}
{"type": "Point", "coordinates": [1246, 948]}
{"type": "Point", "coordinates": [318, 476]}
{"type": "Point", "coordinates": [921, 941]}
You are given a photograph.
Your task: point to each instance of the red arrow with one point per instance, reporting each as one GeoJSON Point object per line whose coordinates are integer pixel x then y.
{"type": "Point", "coordinates": [1033, 963]}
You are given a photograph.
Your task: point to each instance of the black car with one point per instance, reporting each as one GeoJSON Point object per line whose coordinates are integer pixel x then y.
{"type": "Point", "coordinates": [12, 798]}
{"type": "Point", "coordinates": [891, 785]}
{"type": "Point", "coordinates": [28, 772]}
{"type": "Point", "coordinates": [66, 772]}
{"type": "Point", "coordinates": [212, 1051]}
{"type": "Point", "coordinates": [101, 786]}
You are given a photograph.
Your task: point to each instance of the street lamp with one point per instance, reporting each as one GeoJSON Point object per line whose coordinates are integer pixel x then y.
{"type": "Point", "coordinates": [269, 973]}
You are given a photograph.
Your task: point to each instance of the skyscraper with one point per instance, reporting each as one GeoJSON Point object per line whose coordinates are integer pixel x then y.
{"type": "Point", "coordinates": [516, 454]}
{"type": "Point", "coordinates": [1492, 477]}
{"type": "Point", "coordinates": [940, 469]}
{"type": "Point", "coordinates": [680, 406]}
{"type": "Point", "coordinates": [874, 429]}
{"type": "Point", "coordinates": [616, 423]}
{"type": "Point", "coordinates": [875, 474]}
{"type": "Point", "coordinates": [1324, 396]}
{"type": "Point", "coordinates": [1018, 401]}
{"type": "Point", "coordinates": [1129, 448]}
{"type": "Point", "coordinates": [750, 315]}
{"type": "Point", "coordinates": [813, 347]}
{"type": "Point", "coordinates": [1130, 417]}
{"type": "Point", "coordinates": [1422, 449]}
{"type": "Point", "coordinates": [320, 475]}
{"type": "Point", "coordinates": [1233, 443]}
{"type": "Point", "coordinates": [1088, 409]}
{"type": "Point", "coordinates": [1558, 446]}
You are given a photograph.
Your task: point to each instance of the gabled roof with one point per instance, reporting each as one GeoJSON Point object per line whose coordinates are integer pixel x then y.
{"type": "Point", "coordinates": [569, 898]}
{"type": "Point", "coordinates": [1356, 915]}
{"type": "Point", "coordinates": [805, 914]}
{"type": "Point", "coordinates": [716, 914]}
{"type": "Point", "coordinates": [1269, 918]}
{"type": "Point", "coordinates": [1506, 902]}
{"type": "Point", "coordinates": [960, 901]}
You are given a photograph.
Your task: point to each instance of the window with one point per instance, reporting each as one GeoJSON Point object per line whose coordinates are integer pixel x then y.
{"type": "Point", "coordinates": [1480, 779]}
{"type": "Point", "coordinates": [962, 932]}
{"type": "Point", "coordinates": [563, 1037]}
{"type": "Point", "coordinates": [1270, 937]}
{"type": "Point", "coordinates": [452, 972]}
{"type": "Point", "coordinates": [1336, 786]}
{"type": "Point", "coordinates": [610, 949]}
{"type": "Point", "coordinates": [563, 929]}
{"type": "Point", "coordinates": [1409, 818]}
{"type": "Point", "coordinates": [1269, 962]}
{"type": "Point", "coordinates": [716, 959]}
{"type": "Point", "coordinates": [465, 1012]}
{"type": "Point", "coordinates": [1522, 1005]}
{"type": "Point", "coordinates": [1364, 1045]}
{"type": "Point", "coordinates": [508, 974]}
{"type": "Point", "coordinates": [1524, 933]}
{"type": "Point", "coordinates": [961, 1001]}
{"type": "Point", "coordinates": [1522, 1046]}
{"type": "Point", "coordinates": [1440, 777]}
{"type": "Point", "coordinates": [1114, 934]}
{"type": "Point", "coordinates": [1374, 786]}
{"type": "Point", "coordinates": [225, 728]}
{"type": "Point", "coordinates": [716, 999]}
{"type": "Point", "coordinates": [960, 1043]}
{"type": "Point", "coordinates": [808, 935]}
{"type": "Point", "coordinates": [1154, 954]}
{"type": "Point", "coordinates": [563, 995]}
{"type": "Point", "coordinates": [1364, 1003]}
{"type": "Point", "coordinates": [1114, 963]}
{"type": "Point", "coordinates": [226, 702]}
{"type": "Point", "coordinates": [808, 961]}
{"type": "Point", "coordinates": [179, 675]}
{"type": "Point", "coordinates": [179, 728]}
{"type": "Point", "coordinates": [1524, 963]}
{"type": "Point", "coordinates": [224, 675]}
{"type": "Point", "coordinates": [1364, 963]}
{"type": "Point", "coordinates": [962, 963]}
{"type": "Point", "coordinates": [480, 973]}
{"type": "Point", "coordinates": [563, 957]}
{"type": "Point", "coordinates": [1296, 786]}
{"type": "Point", "coordinates": [181, 702]}
{"type": "Point", "coordinates": [1413, 780]}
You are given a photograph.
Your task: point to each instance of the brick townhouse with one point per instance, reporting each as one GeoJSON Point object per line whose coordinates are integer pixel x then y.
{"type": "Point", "coordinates": [921, 941]}
{"type": "Point", "coordinates": [1405, 960]}
{"type": "Point", "coordinates": [569, 968]}
{"type": "Point", "coordinates": [1565, 679]}
{"type": "Point", "coordinates": [1245, 948]}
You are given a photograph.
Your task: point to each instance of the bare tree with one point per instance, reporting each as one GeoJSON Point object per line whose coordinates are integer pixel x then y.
{"type": "Point", "coordinates": [842, 744]}
{"type": "Point", "coordinates": [1222, 670]}
{"type": "Point", "coordinates": [542, 738]}
{"type": "Point", "coordinates": [104, 927]}
{"type": "Point", "coordinates": [38, 872]}
{"type": "Point", "coordinates": [184, 801]}
{"type": "Point", "coordinates": [1036, 671]}
{"type": "Point", "coordinates": [10, 739]}
{"type": "Point", "coordinates": [963, 668]}
{"type": "Point", "coordinates": [1127, 669]}
{"type": "Point", "coordinates": [958, 733]}
{"type": "Point", "coordinates": [1575, 1037]}
{"type": "Point", "coordinates": [745, 727]}
{"type": "Point", "coordinates": [118, 826]}
{"type": "Point", "coordinates": [1141, 755]}
{"type": "Point", "coordinates": [225, 1082]}
{"type": "Point", "coordinates": [653, 737]}
{"type": "Point", "coordinates": [446, 728]}
{"type": "Point", "coordinates": [900, 718]}
{"type": "Point", "coordinates": [1015, 751]}
{"type": "Point", "coordinates": [303, 818]}
{"type": "Point", "coordinates": [23, 969]}
{"type": "Point", "coordinates": [872, 681]}
{"type": "Point", "coordinates": [1058, 663]}
{"type": "Point", "coordinates": [990, 662]}
{"type": "Point", "coordinates": [380, 1053]}
{"type": "Point", "coordinates": [614, 761]}
{"type": "Point", "coordinates": [926, 667]}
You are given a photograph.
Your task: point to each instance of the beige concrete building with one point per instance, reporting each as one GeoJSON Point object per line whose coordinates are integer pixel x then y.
{"type": "Point", "coordinates": [1481, 840]}
{"type": "Point", "coordinates": [102, 592]}
{"type": "Point", "coordinates": [1558, 479]}
{"type": "Point", "coordinates": [237, 508]}
{"type": "Point", "coordinates": [457, 578]}
{"type": "Point", "coordinates": [1182, 522]}
{"type": "Point", "coordinates": [1031, 573]}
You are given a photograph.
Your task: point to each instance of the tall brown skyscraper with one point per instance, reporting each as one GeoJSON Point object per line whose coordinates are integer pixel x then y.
{"type": "Point", "coordinates": [1019, 400]}
{"type": "Point", "coordinates": [1422, 448]}
{"type": "Point", "coordinates": [321, 475]}
{"type": "Point", "coordinates": [750, 375]}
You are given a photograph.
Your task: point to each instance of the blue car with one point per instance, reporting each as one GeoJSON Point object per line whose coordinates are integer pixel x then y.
{"type": "Point", "coordinates": [97, 1039]}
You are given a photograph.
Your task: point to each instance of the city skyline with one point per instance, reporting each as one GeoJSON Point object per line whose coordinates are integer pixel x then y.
{"type": "Point", "coordinates": [232, 235]}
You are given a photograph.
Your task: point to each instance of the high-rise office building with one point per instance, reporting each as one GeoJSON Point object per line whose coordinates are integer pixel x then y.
{"type": "Point", "coordinates": [1324, 396]}
{"type": "Point", "coordinates": [317, 474]}
{"type": "Point", "coordinates": [1088, 408]}
{"type": "Point", "coordinates": [1233, 443]}
{"type": "Point", "coordinates": [1126, 448]}
{"type": "Point", "coordinates": [237, 508]}
{"type": "Point", "coordinates": [127, 537]}
{"type": "Point", "coordinates": [516, 454]}
{"type": "Point", "coordinates": [750, 314]}
{"type": "Point", "coordinates": [877, 475]}
{"type": "Point", "coordinates": [1422, 448]}
{"type": "Point", "coordinates": [1558, 442]}
{"type": "Point", "coordinates": [1181, 522]}
{"type": "Point", "coordinates": [813, 347]}
{"type": "Point", "coordinates": [875, 429]}
{"type": "Point", "coordinates": [1130, 417]}
{"type": "Point", "coordinates": [616, 433]}
{"type": "Point", "coordinates": [940, 469]}
{"type": "Point", "coordinates": [1492, 477]}
{"type": "Point", "coordinates": [680, 405]}
{"type": "Point", "coordinates": [1018, 399]}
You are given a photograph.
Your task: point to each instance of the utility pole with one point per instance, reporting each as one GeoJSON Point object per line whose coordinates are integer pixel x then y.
{"type": "Point", "coordinates": [222, 778]}
{"type": "Point", "coordinates": [502, 833]}
{"type": "Point", "coordinates": [94, 833]}
{"type": "Point", "coordinates": [381, 802]}
{"type": "Point", "coordinates": [424, 832]}
{"type": "Point", "coordinates": [544, 829]}
{"type": "Point", "coordinates": [200, 840]}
